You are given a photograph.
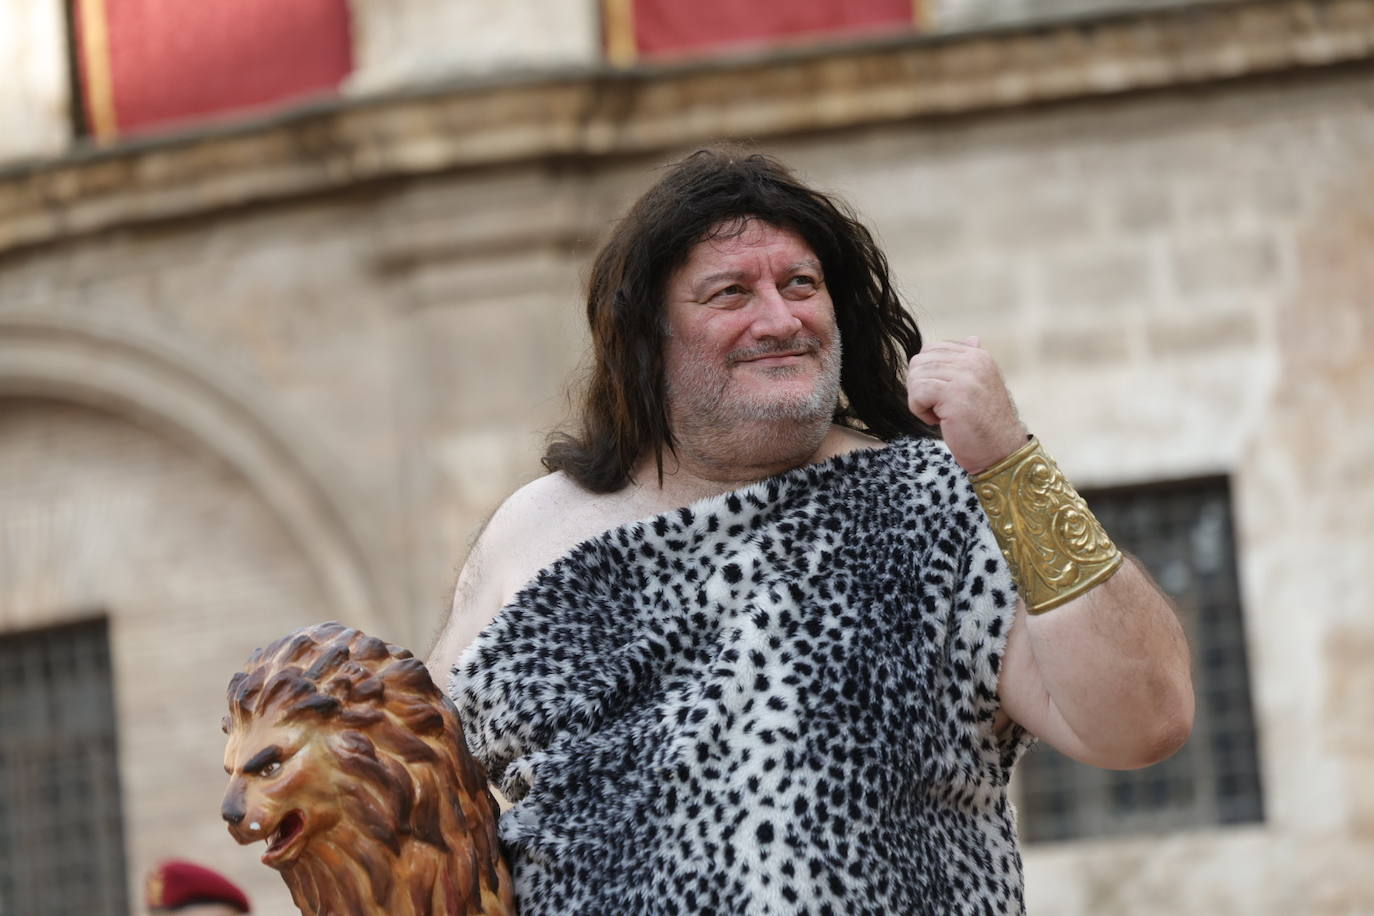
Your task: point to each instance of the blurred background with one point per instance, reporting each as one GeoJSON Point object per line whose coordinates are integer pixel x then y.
{"type": "Point", "coordinates": [290, 293]}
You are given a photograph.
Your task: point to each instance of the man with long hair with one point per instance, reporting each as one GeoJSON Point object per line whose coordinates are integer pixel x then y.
{"type": "Point", "coordinates": [796, 593]}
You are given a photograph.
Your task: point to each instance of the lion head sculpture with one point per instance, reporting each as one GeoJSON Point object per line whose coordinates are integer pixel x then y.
{"type": "Point", "coordinates": [350, 764]}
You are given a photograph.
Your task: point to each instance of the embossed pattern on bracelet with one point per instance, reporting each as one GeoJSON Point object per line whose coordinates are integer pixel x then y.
{"type": "Point", "coordinates": [1055, 546]}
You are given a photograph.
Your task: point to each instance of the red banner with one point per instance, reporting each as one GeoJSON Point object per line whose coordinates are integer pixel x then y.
{"type": "Point", "coordinates": [149, 64]}
{"type": "Point", "coordinates": [671, 28]}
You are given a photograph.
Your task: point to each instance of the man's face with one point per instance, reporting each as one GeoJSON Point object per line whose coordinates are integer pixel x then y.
{"type": "Point", "coordinates": [751, 332]}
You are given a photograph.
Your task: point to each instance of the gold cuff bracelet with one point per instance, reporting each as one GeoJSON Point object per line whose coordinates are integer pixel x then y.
{"type": "Point", "coordinates": [1056, 549]}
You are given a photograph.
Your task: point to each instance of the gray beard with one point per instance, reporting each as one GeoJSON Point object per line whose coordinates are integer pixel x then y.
{"type": "Point", "coordinates": [785, 431]}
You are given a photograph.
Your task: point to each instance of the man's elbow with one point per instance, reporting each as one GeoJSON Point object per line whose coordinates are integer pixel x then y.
{"type": "Point", "coordinates": [1166, 739]}
{"type": "Point", "coordinates": [1160, 734]}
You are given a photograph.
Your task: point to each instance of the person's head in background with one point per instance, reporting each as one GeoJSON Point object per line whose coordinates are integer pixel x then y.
{"type": "Point", "coordinates": [175, 886]}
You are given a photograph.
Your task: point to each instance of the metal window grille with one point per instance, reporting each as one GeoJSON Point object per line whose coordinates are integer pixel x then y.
{"type": "Point", "coordinates": [61, 836]}
{"type": "Point", "coordinates": [1182, 533]}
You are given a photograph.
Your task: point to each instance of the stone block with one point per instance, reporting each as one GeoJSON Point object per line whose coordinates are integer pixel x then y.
{"type": "Point", "coordinates": [1038, 223]}
{"type": "Point", "coordinates": [1239, 201]}
{"type": "Point", "coordinates": [1273, 195]}
{"type": "Point", "coordinates": [1349, 697]}
{"type": "Point", "coordinates": [976, 294]}
{"type": "Point", "coordinates": [1225, 265]}
{"type": "Point", "coordinates": [492, 360]}
{"type": "Point", "coordinates": [1362, 797]}
{"type": "Point", "coordinates": [1202, 335]}
{"type": "Point", "coordinates": [1084, 347]}
{"type": "Point", "coordinates": [1141, 209]}
{"type": "Point", "coordinates": [924, 236]}
{"type": "Point", "coordinates": [1109, 280]}
{"type": "Point", "coordinates": [492, 277]}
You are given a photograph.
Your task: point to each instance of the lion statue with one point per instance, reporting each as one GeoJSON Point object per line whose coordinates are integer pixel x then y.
{"type": "Point", "coordinates": [347, 760]}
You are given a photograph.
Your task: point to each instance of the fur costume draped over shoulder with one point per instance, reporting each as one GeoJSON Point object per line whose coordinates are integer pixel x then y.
{"type": "Point", "coordinates": [776, 700]}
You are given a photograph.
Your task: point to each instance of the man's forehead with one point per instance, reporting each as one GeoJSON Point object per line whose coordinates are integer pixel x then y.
{"type": "Point", "coordinates": [733, 238]}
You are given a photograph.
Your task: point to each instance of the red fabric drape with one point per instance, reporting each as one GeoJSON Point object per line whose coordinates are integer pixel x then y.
{"type": "Point", "coordinates": [173, 61]}
{"type": "Point", "coordinates": [669, 28]}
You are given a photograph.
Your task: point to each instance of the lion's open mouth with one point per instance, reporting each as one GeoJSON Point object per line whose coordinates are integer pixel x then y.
{"type": "Point", "coordinates": [291, 826]}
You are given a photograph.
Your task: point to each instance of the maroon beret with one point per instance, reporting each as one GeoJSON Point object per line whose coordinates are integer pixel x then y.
{"type": "Point", "coordinates": [174, 884]}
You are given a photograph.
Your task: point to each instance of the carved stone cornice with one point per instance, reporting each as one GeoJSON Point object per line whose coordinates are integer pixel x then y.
{"type": "Point", "coordinates": [608, 112]}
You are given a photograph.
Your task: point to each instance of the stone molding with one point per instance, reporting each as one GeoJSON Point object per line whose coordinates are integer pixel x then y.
{"type": "Point", "coordinates": [147, 380]}
{"type": "Point", "coordinates": [604, 112]}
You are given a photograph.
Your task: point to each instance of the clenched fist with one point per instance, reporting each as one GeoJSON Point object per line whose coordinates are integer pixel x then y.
{"type": "Point", "coordinates": [958, 387]}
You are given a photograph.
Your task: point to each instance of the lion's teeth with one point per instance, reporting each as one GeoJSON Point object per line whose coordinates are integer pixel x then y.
{"type": "Point", "coordinates": [255, 826]}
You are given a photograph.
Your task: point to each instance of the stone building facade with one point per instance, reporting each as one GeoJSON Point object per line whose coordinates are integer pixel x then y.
{"type": "Point", "coordinates": [281, 372]}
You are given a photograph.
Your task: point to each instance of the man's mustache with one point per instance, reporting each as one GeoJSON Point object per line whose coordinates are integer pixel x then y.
{"type": "Point", "coordinates": [797, 345]}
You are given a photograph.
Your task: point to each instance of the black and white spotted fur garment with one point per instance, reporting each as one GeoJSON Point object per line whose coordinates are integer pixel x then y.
{"type": "Point", "coordinates": [777, 700]}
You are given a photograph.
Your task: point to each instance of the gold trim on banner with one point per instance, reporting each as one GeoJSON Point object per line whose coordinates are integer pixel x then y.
{"type": "Point", "coordinates": [95, 53]}
{"type": "Point", "coordinates": [619, 19]}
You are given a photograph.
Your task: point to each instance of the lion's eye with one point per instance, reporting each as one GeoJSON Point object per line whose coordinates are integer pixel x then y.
{"type": "Point", "coordinates": [271, 769]}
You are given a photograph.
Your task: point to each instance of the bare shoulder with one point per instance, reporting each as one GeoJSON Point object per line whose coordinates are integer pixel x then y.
{"type": "Point", "coordinates": [536, 525]}
{"type": "Point", "coordinates": [531, 504]}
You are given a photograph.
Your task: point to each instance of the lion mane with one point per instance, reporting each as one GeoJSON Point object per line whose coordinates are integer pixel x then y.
{"type": "Point", "coordinates": [350, 763]}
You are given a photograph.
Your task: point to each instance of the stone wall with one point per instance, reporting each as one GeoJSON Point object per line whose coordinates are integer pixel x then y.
{"type": "Point", "coordinates": [114, 514]}
{"type": "Point", "coordinates": [242, 392]}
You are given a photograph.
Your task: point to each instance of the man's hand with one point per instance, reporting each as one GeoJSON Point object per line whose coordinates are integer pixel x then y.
{"type": "Point", "coordinates": [958, 387]}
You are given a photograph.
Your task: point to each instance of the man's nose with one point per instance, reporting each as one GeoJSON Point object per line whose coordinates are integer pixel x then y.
{"type": "Point", "coordinates": [773, 315]}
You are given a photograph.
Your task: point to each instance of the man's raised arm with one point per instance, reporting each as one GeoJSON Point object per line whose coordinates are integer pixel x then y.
{"type": "Point", "coordinates": [1096, 663]}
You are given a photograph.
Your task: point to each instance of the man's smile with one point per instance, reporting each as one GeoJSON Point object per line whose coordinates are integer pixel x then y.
{"type": "Point", "coordinates": [775, 359]}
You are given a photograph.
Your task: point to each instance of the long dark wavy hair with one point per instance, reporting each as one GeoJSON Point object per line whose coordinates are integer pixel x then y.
{"type": "Point", "coordinates": [624, 411]}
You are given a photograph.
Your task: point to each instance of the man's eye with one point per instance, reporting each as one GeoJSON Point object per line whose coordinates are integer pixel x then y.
{"type": "Point", "coordinates": [734, 289]}
{"type": "Point", "coordinates": [804, 280]}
